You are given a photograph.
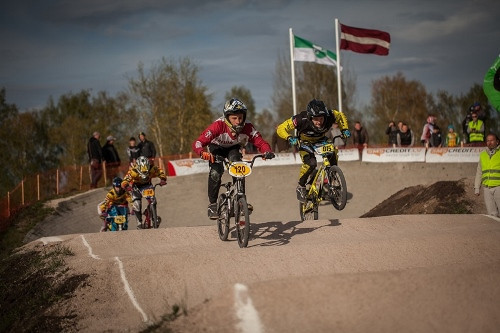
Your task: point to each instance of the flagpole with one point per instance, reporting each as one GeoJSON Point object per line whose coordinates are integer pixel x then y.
{"type": "Point", "coordinates": [293, 73]}
{"type": "Point", "coordinates": [339, 85]}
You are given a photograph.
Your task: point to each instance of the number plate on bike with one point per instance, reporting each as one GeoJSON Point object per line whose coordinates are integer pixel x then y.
{"type": "Point", "coordinates": [328, 148]}
{"type": "Point", "coordinates": [120, 219]}
{"type": "Point", "coordinates": [149, 192]}
{"type": "Point", "coordinates": [240, 169]}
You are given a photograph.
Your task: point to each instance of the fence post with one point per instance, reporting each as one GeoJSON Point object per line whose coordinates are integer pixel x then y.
{"type": "Point", "coordinates": [38, 187]}
{"type": "Point", "coordinates": [22, 192]}
{"type": "Point", "coordinates": [81, 177]}
{"type": "Point", "coordinates": [8, 204]}
{"type": "Point", "coordinates": [57, 181]}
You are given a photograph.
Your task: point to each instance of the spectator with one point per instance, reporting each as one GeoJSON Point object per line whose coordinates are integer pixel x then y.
{"type": "Point", "coordinates": [427, 130]}
{"type": "Point", "coordinates": [133, 152]}
{"type": "Point", "coordinates": [476, 107]}
{"type": "Point", "coordinates": [400, 125]}
{"type": "Point", "coordinates": [94, 151]}
{"type": "Point", "coordinates": [452, 138]}
{"type": "Point", "coordinates": [146, 148]}
{"type": "Point", "coordinates": [392, 132]}
{"type": "Point", "coordinates": [405, 137]}
{"type": "Point", "coordinates": [279, 144]}
{"type": "Point", "coordinates": [332, 133]}
{"type": "Point", "coordinates": [475, 129]}
{"type": "Point", "coordinates": [436, 139]}
{"type": "Point", "coordinates": [110, 155]}
{"type": "Point", "coordinates": [360, 136]}
{"type": "Point", "coordinates": [488, 175]}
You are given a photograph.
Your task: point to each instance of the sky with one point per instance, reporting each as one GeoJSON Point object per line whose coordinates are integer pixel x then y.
{"type": "Point", "coordinates": [55, 47]}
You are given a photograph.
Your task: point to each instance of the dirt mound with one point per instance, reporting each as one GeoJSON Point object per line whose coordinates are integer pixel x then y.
{"type": "Point", "coordinates": [442, 197]}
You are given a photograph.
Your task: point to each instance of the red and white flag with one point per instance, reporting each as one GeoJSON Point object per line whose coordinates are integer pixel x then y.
{"type": "Point", "coordinates": [364, 40]}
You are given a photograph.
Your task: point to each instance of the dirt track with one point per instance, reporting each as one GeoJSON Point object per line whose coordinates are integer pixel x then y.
{"type": "Point", "coordinates": [398, 273]}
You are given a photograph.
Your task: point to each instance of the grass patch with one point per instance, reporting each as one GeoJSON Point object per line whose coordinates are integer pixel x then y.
{"type": "Point", "coordinates": [20, 225]}
{"type": "Point", "coordinates": [31, 283]}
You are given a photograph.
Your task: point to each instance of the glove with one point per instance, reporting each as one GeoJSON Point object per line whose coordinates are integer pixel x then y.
{"type": "Point", "coordinates": [163, 182]}
{"type": "Point", "coordinates": [268, 155]}
{"type": "Point", "coordinates": [293, 140]}
{"type": "Point", "coordinates": [346, 133]}
{"type": "Point", "coordinates": [207, 156]}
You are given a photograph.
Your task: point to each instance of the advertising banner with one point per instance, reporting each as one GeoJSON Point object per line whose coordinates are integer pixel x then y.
{"type": "Point", "coordinates": [453, 155]}
{"type": "Point", "coordinates": [398, 154]}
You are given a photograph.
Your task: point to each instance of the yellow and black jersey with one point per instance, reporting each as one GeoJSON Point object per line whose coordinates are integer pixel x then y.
{"type": "Point", "coordinates": [306, 130]}
{"type": "Point", "coordinates": [113, 198]}
{"type": "Point", "coordinates": [133, 176]}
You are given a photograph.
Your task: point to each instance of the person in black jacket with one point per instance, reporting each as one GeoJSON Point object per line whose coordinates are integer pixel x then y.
{"type": "Point", "coordinates": [146, 148]}
{"type": "Point", "coordinates": [110, 155]}
{"type": "Point", "coordinates": [94, 151]}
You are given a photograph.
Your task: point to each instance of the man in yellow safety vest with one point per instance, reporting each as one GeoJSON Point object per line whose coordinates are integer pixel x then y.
{"type": "Point", "coordinates": [488, 175]}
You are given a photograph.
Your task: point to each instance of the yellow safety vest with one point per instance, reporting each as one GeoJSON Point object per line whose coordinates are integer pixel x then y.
{"type": "Point", "coordinates": [490, 168]}
{"type": "Point", "coordinates": [476, 136]}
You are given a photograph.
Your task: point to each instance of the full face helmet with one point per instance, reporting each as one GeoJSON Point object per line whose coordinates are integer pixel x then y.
{"type": "Point", "coordinates": [316, 108]}
{"type": "Point", "coordinates": [143, 166]}
{"type": "Point", "coordinates": [235, 106]}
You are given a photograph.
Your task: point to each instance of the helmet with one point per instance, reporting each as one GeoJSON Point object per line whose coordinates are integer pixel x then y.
{"type": "Point", "coordinates": [235, 106]}
{"type": "Point", "coordinates": [117, 182]}
{"type": "Point", "coordinates": [475, 107]}
{"type": "Point", "coordinates": [316, 108]}
{"type": "Point", "coordinates": [143, 166]}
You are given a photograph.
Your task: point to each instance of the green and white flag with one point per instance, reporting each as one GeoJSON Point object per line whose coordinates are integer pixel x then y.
{"type": "Point", "coordinates": [305, 50]}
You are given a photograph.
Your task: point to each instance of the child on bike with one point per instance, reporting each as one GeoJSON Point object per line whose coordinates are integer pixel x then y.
{"type": "Point", "coordinates": [141, 174]}
{"type": "Point", "coordinates": [312, 126]}
{"type": "Point", "coordinates": [225, 137]}
{"type": "Point", "coordinates": [116, 196]}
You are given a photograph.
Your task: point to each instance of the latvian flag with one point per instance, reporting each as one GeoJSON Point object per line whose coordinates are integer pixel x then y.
{"type": "Point", "coordinates": [364, 40]}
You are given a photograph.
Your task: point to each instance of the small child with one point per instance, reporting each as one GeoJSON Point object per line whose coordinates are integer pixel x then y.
{"type": "Point", "coordinates": [116, 196]}
{"type": "Point", "coordinates": [435, 139]}
{"type": "Point", "coordinates": [452, 138]}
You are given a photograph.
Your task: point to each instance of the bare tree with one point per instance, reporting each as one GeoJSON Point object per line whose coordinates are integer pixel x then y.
{"type": "Point", "coordinates": [173, 104]}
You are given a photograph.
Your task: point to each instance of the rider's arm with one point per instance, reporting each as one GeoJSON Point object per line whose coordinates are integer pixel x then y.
{"type": "Point", "coordinates": [285, 129]}
{"type": "Point", "coordinates": [341, 119]}
{"type": "Point", "coordinates": [211, 132]}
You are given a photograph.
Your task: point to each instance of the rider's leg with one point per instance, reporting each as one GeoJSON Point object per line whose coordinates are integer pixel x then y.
{"type": "Point", "coordinates": [308, 167]}
{"type": "Point", "coordinates": [214, 182]}
{"type": "Point", "coordinates": [137, 206]}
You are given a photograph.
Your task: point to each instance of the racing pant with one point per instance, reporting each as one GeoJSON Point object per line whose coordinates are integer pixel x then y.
{"type": "Point", "coordinates": [137, 201]}
{"type": "Point", "coordinates": [233, 154]}
{"type": "Point", "coordinates": [309, 163]}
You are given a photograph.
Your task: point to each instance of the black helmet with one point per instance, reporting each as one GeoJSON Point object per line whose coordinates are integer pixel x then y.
{"type": "Point", "coordinates": [117, 181]}
{"type": "Point", "coordinates": [235, 106]}
{"type": "Point", "coordinates": [316, 108]}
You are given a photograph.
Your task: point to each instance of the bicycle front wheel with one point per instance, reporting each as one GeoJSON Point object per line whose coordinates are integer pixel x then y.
{"type": "Point", "coordinates": [153, 215]}
{"type": "Point", "coordinates": [308, 210]}
{"type": "Point", "coordinates": [242, 222]}
{"type": "Point", "coordinates": [223, 219]}
{"type": "Point", "coordinates": [337, 187]}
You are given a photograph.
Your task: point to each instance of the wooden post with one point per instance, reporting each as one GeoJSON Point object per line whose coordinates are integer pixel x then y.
{"type": "Point", "coordinates": [22, 192]}
{"type": "Point", "coordinates": [57, 181]}
{"type": "Point", "coordinates": [38, 187]}
{"type": "Point", "coordinates": [8, 204]}
{"type": "Point", "coordinates": [81, 177]}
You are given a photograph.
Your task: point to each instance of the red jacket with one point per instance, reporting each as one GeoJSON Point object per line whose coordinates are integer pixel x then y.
{"type": "Point", "coordinates": [220, 134]}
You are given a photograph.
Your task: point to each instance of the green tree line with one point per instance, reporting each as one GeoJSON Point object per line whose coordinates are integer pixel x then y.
{"type": "Point", "coordinates": [168, 101]}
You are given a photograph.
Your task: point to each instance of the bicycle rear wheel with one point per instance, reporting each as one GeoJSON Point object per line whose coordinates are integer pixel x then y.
{"type": "Point", "coordinates": [223, 219]}
{"type": "Point", "coordinates": [337, 187]}
{"type": "Point", "coordinates": [242, 221]}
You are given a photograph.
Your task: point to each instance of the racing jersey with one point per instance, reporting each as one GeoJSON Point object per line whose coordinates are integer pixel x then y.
{"type": "Point", "coordinates": [306, 129]}
{"type": "Point", "coordinates": [113, 198]}
{"type": "Point", "coordinates": [220, 134]}
{"type": "Point", "coordinates": [133, 176]}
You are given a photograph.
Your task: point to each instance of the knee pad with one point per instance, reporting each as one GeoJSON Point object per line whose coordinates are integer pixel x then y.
{"type": "Point", "coordinates": [216, 172]}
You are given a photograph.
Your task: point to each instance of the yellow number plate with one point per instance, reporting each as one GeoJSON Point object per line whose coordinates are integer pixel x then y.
{"type": "Point", "coordinates": [120, 219]}
{"type": "Point", "coordinates": [149, 192]}
{"type": "Point", "coordinates": [328, 148]}
{"type": "Point", "coordinates": [240, 169]}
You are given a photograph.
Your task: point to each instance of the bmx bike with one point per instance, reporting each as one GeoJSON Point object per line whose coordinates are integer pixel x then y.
{"type": "Point", "coordinates": [233, 202]}
{"type": "Point", "coordinates": [328, 182]}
